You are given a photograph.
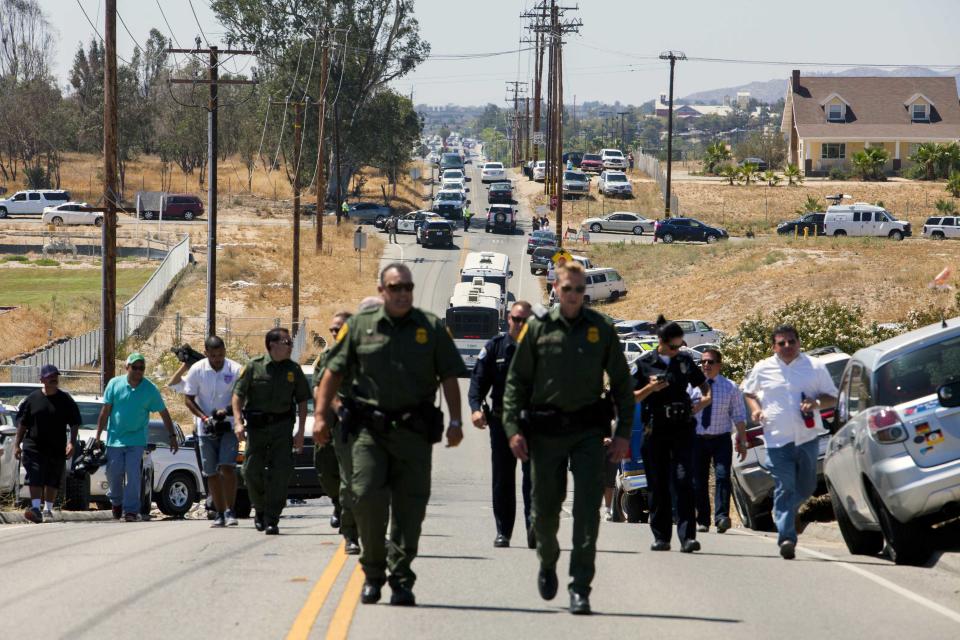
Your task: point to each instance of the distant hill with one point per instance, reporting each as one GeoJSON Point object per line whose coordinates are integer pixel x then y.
{"type": "Point", "coordinates": [773, 90]}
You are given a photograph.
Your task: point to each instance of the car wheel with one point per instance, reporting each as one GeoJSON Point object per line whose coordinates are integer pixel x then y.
{"type": "Point", "coordinates": [57, 221]}
{"type": "Point", "coordinates": [638, 230]}
{"type": "Point", "coordinates": [178, 494]}
{"type": "Point", "coordinates": [896, 235]}
{"type": "Point", "coordinates": [98, 222]}
{"type": "Point", "coordinates": [839, 233]}
{"type": "Point", "coordinates": [188, 215]}
{"type": "Point", "coordinates": [860, 543]}
{"type": "Point", "coordinates": [711, 239]}
{"type": "Point", "coordinates": [596, 228]}
{"type": "Point", "coordinates": [938, 235]}
{"type": "Point", "coordinates": [667, 238]}
{"type": "Point", "coordinates": [614, 295]}
{"type": "Point", "coordinates": [907, 543]}
{"type": "Point", "coordinates": [148, 215]}
{"type": "Point", "coordinates": [76, 492]}
{"type": "Point", "coordinates": [752, 517]}
{"type": "Point", "coordinates": [380, 219]}
{"type": "Point", "coordinates": [632, 505]}
{"type": "Point", "coordinates": [3, 212]}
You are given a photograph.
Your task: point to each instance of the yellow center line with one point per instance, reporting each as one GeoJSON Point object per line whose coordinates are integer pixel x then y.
{"type": "Point", "coordinates": [343, 616]}
{"type": "Point", "coordinates": [311, 608]}
{"type": "Point", "coordinates": [463, 253]}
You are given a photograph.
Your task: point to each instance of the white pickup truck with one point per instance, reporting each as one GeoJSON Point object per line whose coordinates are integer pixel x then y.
{"type": "Point", "coordinates": [32, 203]}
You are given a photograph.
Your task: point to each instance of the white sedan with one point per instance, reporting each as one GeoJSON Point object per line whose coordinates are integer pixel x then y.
{"type": "Point", "coordinates": [71, 213]}
{"type": "Point", "coordinates": [493, 172]}
{"type": "Point", "coordinates": [621, 221]}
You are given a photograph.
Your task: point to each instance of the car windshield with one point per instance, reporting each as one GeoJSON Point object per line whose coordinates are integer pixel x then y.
{"type": "Point", "coordinates": [494, 165]}
{"type": "Point", "coordinates": [918, 373]}
{"type": "Point", "coordinates": [13, 394]}
{"type": "Point", "coordinates": [616, 177]}
{"type": "Point", "coordinates": [448, 196]}
{"type": "Point", "coordinates": [452, 175]}
{"type": "Point", "coordinates": [614, 154]}
{"type": "Point", "coordinates": [591, 156]}
{"type": "Point", "coordinates": [574, 176]}
{"type": "Point", "coordinates": [438, 226]}
{"type": "Point", "coordinates": [89, 412]}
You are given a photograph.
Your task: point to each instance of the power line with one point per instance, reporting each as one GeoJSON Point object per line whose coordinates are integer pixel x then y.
{"type": "Point", "coordinates": [197, 20]}
{"type": "Point", "coordinates": [95, 30]}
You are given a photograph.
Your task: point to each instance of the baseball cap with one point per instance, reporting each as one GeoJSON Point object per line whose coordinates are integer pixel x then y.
{"type": "Point", "coordinates": [48, 370]}
{"type": "Point", "coordinates": [135, 357]}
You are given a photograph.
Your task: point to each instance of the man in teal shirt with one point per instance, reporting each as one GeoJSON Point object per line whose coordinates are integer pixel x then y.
{"type": "Point", "coordinates": [128, 402]}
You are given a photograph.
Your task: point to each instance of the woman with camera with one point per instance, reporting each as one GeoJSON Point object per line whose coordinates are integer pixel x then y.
{"type": "Point", "coordinates": [663, 376]}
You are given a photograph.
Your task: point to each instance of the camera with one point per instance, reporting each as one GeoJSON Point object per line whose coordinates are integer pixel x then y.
{"type": "Point", "coordinates": [217, 424]}
{"type": "Point", "coordinates": [661, 377]}
{"type": "Point", "coordinates": [187, 354]}
{"type": "Point", "coordinates": [89, 458]}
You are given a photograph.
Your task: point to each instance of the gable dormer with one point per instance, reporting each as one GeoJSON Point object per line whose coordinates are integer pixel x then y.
{"type": "Point", "coordinates": [920, 107]}
{"type": "Point", "coordinates": [835, 107]}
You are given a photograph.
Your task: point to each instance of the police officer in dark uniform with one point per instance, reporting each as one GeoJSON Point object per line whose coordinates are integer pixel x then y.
{"type": "Point", "coordinates": [555, 413]}
{"type": "Point", "coordinates": [264, 396]}
{"type": "Point", "coordinates": [669, 434]}
{"type": "Point", "coordinates": [396, 355]}
{"type": "Point", "coordinates": [490, 373]}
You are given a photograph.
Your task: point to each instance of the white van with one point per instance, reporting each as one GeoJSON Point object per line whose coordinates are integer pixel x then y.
{"type": "Point", "coordinates": [491, 266]}
{"type": "Point", "coordinates": [603, 283]}
{"type": "Point", "coordinates": [862, 219]}
{"type": "Point", "coordinates": [32, 202]}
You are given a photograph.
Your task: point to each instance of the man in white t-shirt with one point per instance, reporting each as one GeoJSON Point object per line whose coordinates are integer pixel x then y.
{"type": "Point", "coordinates": [785, 393]}
{"type": "Point", "coordinates": [208, 390]}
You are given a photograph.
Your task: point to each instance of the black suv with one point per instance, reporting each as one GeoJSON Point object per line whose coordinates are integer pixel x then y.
{"type": "Point", "coordinates": [540, 259]}
{"type": "Point", "coordinates": [689, 230]}
{"type": "Point", "coordinates": [812, 222]}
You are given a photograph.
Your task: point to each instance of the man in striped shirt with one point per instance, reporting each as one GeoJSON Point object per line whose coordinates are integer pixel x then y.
{"type": "Point", "coordinates": [715, 423]}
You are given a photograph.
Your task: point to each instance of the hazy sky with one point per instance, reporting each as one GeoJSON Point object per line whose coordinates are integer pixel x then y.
{"type": "Point", "coordinates": [610, 58]}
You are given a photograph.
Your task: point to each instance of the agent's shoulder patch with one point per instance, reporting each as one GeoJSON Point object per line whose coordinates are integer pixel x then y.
{"type": "Point", "coordinates": [523, 333]}
{"type": "Point", "coordinates": [344, 330]}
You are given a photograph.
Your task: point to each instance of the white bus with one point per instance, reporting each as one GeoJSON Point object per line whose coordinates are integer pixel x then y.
{"type": "Point", "coordinates": [474, 315]}
{"type": "Point", "coordinates": [491, 266]}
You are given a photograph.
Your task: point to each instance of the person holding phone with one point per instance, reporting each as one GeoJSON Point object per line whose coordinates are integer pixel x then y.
{"type": "Point", "coordinates": [663, 376]}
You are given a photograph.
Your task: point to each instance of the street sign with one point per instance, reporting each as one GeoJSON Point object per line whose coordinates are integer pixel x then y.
{"type": "Point", "coordinates": [539, 137]}
{"type": "Point", "coordinates": [562, 254]}
{"type": "Point", "coordinates": [359, 240]}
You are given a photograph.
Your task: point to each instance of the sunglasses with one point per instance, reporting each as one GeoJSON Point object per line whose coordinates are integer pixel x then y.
{"type": "Point", "coordinates": [568, 288]}
{"type": "Point", "coordinates": [787, 343]}
{"type": "Point", "coordinates": [400, 286]}
{"type": "Point", "coordinates": [706, 362]}
{"type": "Point", "coordinates": [334, 330]}
{"type": "Point", "coordinates": [285, 341]}
{"type": "Point", "coordinates": [518, 319]}
{"type": "Point", "coordinates": [137, 367]}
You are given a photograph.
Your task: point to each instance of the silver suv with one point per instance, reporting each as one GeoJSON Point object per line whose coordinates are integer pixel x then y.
{"type": "Point", "coordinates": [893, 466]}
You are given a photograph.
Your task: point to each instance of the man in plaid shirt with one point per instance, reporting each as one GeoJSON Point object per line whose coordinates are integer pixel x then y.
{"type": "Point", "coordinates": [715, 423]}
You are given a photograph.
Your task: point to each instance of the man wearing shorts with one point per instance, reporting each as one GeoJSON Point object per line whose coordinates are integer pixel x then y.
{"type": "Point", "coordinates": [42, 422]}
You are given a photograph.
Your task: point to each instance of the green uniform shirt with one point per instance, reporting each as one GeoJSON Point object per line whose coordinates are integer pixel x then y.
{"type": "Point", "coordinates": [561, 363]}
{"type": "Point", "coordinates": [345, 390]}
{"type": "Point", "coordinates": [271, 386]}
{"type": "Point", "coordinates": [395, 363]}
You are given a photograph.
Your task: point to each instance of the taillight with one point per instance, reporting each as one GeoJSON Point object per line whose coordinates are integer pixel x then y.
{"type": "Point", "coordinates": [754, 436]}
{"type": "Point", "coordinates": [885, 426]}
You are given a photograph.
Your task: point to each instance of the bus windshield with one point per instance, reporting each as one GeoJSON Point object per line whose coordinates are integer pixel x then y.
{"type": "Point", "coordinates": [473, 323]}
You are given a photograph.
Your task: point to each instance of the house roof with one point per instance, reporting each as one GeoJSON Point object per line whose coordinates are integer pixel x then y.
{"type": "Point", "coordinates": [876, 107]}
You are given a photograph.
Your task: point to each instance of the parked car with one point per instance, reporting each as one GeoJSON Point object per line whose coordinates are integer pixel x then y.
{"type": "Point", "coordinates": [893, 465]}
{"type": "Point", "coordinates": [169, 206]}
{"type": "Point", "coordinates": [812, 223]}
{"type": "Point", "coordinates": [492, 172]}
{"type": "Point", "coordinates": [698, 332]}
{"type": "Point", "coordinates": [32, 202]}
{"type": "Point", "coordinates": [11, 393]}
{"type": "Point", "coordinates": [591, 162]}
{"type": "Point", "coordinates": [451, 161]}
{"type": "Point", "coordinates": [367, 212]}
{"type": "Point", "coordinates": [688, 230]}
{"type": "Point", "coordinates": [8, 462]}
{"type": "Point", "coordinates": [540, 238]}
{"type": "Point", "coordinates": [760, 163]}
{"type": "Point", "coordinates": [541, 258]}
{"type": "Point", "coordinates": [500, 193]}
{"type": "Point", "coordinates": [501, 218]}
{"type": "Point", "coordinates": [633, 348]}
{"type": "Point", "coordinates": [436, 233]}
{"type": "Point", "coordinates": [603, 283]}
{"type": "Point", "coordinates": [575, 183]}
{"type": "Point", "coordinates": [575, 157]}
{"type": "Point", "coordinates": [450, 204]}
{"type": "Point", "coordinates": [540, 170]}
{"type": "Point", "coordinates": [862, 219]}
{"type": "Point", "coordinates": [71, 213]}
{"type": "Point", "coordinates": [621, 222]}
{"type": "Point", "coordinates": [410, 222]}
{"type": "Point", "coordinates": [615, 183]}
{"type": "Point", "coordinates": [630, 329]}
{"type": "Point", "coordinates": [942, 227]}
{"type": "Point", "coordinates": [613, 159]}
{"type": "Point", "coordinates": [751, 481]}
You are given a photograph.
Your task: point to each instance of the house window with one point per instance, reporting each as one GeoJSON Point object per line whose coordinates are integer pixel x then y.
{"type": "Point", "coordinates": [920, 113]}
{"type": "Point", "coordinates": [835, 113]}
{"type": "Point", "coordinates": [833, 151]}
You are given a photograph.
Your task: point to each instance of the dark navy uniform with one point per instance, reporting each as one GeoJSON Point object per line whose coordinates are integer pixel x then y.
{"type": "Point", "coordinates": [490, 375]}
{"type": "Point", "coordinates": [668, 443]}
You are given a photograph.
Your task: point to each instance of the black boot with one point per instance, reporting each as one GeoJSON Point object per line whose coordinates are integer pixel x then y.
{"type": "Point", "coordinates": [547, 583]}
{"type": "Point", "coordinates": [258, 521]}
{"type": "Point", "coordinates": [335, 518]}
{"type": "Point", "coordinates": [579, 603]}
{"type": "Point", "coordinates": [402, 596]}
{"type": "Point", "coordinates": [370, 593]}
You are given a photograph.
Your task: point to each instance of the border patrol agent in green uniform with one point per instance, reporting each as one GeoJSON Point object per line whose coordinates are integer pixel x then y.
{"type": "Point", "coordinates": [396, 356]}
{"type": "Point", "coordinates": [334, 461]}
{"type": "Point", "coordinates": [555, 414]}
{"type": "Point", "coordinates": [263, 399]}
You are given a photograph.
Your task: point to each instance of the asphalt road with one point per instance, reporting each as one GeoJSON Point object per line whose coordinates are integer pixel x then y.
{"type": "Point", "coordinates": [170, 578]}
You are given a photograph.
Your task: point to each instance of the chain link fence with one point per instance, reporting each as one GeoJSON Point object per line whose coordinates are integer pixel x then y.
{"type": "Point", "coordinates": [243, 335]}
{"type": "Point", "coordinates": [653, 168]}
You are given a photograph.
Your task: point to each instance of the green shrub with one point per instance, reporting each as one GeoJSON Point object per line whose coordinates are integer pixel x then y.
{"type": "Point", "coordinates": [16, 259]}
{"type": "Point", "coordinates": [46, 262]}
{"type": "Point", "coordinates": [839, 173]}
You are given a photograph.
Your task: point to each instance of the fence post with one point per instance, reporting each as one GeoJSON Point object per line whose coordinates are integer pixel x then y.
{"type": "Point", "coordinates": [177, 328]}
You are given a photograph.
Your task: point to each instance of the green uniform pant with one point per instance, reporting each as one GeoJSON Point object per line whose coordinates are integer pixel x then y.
{"type": "Point", "coordinates": [390, 468]}
{"type": "Point", "coordinates": [267, 468]}
{"type": "Point", "coordinates": [550, 456]}
{"type": "Point", "coordinates": [334, 463]}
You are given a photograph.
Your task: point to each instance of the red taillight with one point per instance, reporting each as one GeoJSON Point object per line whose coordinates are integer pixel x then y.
{"type": "Point", "coordinates": [754, 436]}
{"type": "Point", "coordinates": [885, 425]}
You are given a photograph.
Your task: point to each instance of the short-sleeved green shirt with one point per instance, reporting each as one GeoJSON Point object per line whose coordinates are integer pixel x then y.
{"type": "Point", "coordinates": [395, 363]}
{"type": "Point", "coordinates": [560, 363]}
{"type": "Point", "coordinates": [346, 389]}
{"type": "Point", "coordinates": [271, 386]}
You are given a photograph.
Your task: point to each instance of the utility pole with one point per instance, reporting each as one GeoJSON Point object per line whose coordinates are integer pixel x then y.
{"type": "Point", "coordinates": [321, 155]}
{"type": "Point", "coordinates": [538, 17]}
{"type": "Point", "coordinates": [513, 87]}
{"type": "Point", "coordinates": [295, 295]}
{"type": "Point", "coordinates": [213, 107]}
{"type": "Point", "coordinates": [526, 127]}
{"type": "Point", "coordinates": [108, 267]}
{"type": "Point", "coordinates": [623, 139]}
{"type": "Point", "coordinates": [672, 56]}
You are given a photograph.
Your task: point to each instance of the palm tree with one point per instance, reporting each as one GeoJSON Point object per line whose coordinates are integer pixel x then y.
{"type": "Point", "coordinates": [949, 160]}
{"type": "Point", "coordinates": [927, 156]}
{"type": "Point", "coordinates": [945, 207]}
{"type": "Point", "coordinates": [771, 177]}
{"type": "Point", "coordinates": [793, 175]}
{"type": "Point", "coordinates": [870, 162]}
{"type": "Point", "coordinates": [953, 184]}
{"type": "Point", "coordinates": [749, 172]}
{"type": "Point", "coordinates": [811, 205]}
{"type": "Point", "coordinates": [716, 154]}
{"type": "Point", "coordinates": [730, 172]}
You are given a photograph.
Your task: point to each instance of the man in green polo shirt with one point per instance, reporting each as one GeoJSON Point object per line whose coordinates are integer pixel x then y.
{"type": "Point", "coordinates": [128, 402]}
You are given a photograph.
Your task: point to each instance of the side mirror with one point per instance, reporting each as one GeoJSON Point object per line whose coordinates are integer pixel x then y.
{"type": "Point", "coordinates": [151, 447]}
{"type": "Point", "coordinates": [949, 394]}
{"type": "Point", "coordinates": [509, 274]}
{"type": "Point", "coordinates": [468, 179]}
{"type": "Point", "coordinates": [468, 202]}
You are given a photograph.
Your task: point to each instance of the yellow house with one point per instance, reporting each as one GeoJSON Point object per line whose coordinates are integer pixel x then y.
{"type": "Point", "coordinates": [828, 119]}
